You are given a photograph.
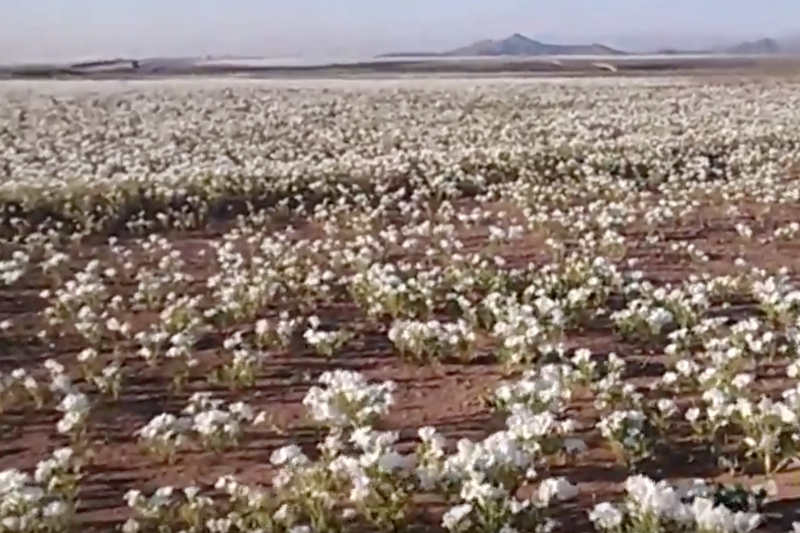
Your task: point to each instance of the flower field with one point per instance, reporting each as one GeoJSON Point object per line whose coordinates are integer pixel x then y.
{"type": "Point", "coordinates": [421, 306]}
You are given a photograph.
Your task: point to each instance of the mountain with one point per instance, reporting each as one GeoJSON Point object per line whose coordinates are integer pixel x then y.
{"type": "Point", "coordinates": [759, 47]}
{"type": "Point", "coordinates": [790, 43]}
{"type": "Point", "coordinates": [522, 46]}
{"type": "Point", "coordinates": [517, 45]}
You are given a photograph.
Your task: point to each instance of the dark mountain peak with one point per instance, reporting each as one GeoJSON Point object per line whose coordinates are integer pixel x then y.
{"type": "Point", "coordinates": [519, 38]}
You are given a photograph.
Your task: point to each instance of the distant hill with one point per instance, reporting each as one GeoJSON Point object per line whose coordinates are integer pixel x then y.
{"type": "Point", "coordinates": [516, 45]}
{"type": "Point", "coordinates": [521, 46]}
{"type": "Point", "coordinates": [759, 47]}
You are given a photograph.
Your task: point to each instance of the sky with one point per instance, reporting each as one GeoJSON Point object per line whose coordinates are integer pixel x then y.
{"type": "Point", "coordinates": [68, 30]}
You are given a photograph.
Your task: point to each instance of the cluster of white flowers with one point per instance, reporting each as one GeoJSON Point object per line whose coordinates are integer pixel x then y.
{"type": "Point", "coordinates": [325, 342]}
{"type": "Point", "coordinates": [214, 424]}
{"type": "Point", "coordinates": [654, 506]}
{"type": "Point", "coordinates": [44, 501]}
{"type": "Point", "coordinates": [347, 399]}
{"type": "Point", "coordinates": [432, 339]}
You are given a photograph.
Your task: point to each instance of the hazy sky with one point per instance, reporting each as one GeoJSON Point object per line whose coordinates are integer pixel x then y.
{"type": "Point", "coordinates": [56, 30]}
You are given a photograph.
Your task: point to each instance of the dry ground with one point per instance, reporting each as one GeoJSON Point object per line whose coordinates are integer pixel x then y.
{"type": "Point", "coordinates": [694, 66]}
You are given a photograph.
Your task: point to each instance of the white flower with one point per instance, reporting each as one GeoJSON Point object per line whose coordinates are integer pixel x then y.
{"type": "Point", "coordinates": [605, 516]}
{"type": "Point", "coordinates": [290, 454]}
{"type": "Point", "coordinates": [558, 488]}
{"type": "Point", "coordinates": [55, 509]}
{"type": "Point", "coordinates": [453, 516]}
{"type": "Point", "coordinates": [131, 526]}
